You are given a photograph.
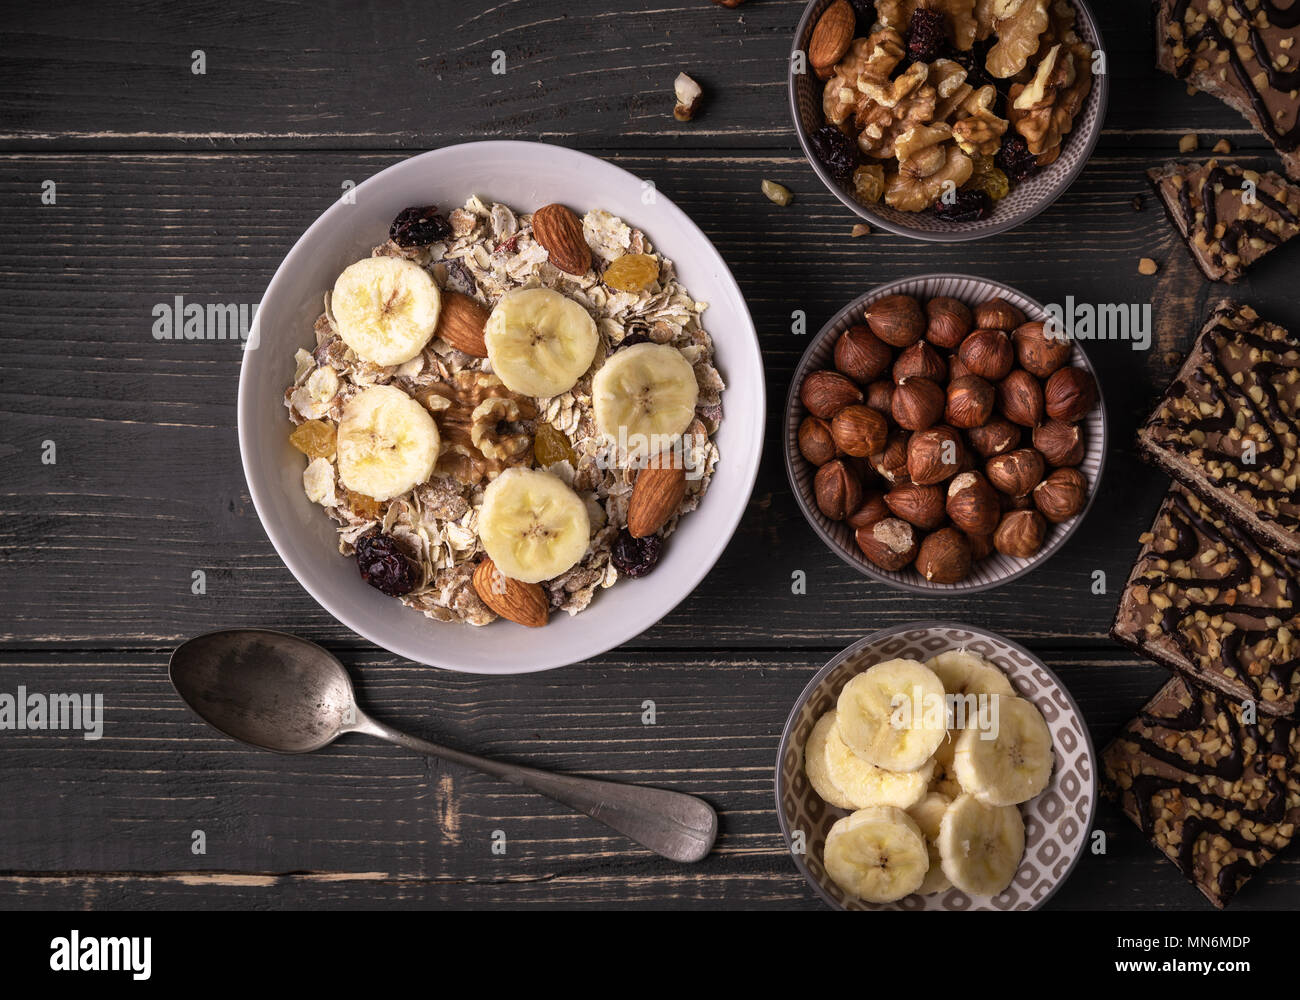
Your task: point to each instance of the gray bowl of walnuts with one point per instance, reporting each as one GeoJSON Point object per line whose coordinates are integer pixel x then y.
{"type": "Point", "coordinates": [950, 120]}
{"type": "Point", "coordinates": [939, 438]}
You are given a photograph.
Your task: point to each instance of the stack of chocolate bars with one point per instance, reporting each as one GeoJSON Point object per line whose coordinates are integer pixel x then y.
{"type": "Point", "coordinates": [1210, 769]}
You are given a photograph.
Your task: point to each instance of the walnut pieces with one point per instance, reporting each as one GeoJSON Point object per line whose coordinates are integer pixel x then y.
{"type": "Point", "coordinates": [1018, 24]}
{"type": "Point", "coordinates": [946, 466]}
{"type": "Point", "coordinates": [1043, 110]}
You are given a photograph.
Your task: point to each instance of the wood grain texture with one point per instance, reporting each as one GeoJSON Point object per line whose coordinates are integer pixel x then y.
{"type": "Point", "coordinates": [409, 75]}
{"type": "Point", "coordinates": [175, 184]}
{"type": "Point", "coordinates": [366, 824]}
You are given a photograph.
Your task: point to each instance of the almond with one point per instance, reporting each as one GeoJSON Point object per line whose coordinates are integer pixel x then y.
{"type": "Point", "coordinates": [524, 603]}
{"type": "Point", "coordinates": [559, 231]}
{"type": "Point", "coordinates": [656, 495]}
{"type": "Point", "coordinates": [460, 323]}
{"type": "Point", "coordinates": [831, 38]}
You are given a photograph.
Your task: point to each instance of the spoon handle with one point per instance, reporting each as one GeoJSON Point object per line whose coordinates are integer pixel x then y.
{"type": "Point", "coordinates": [678, 826]}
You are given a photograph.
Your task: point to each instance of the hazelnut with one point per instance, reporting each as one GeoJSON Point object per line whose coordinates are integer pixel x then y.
{"type": "Point", "coordinates": [880, 396]}
{"type": "Point", "coordinates": [970, 402]}
{"type": "Point", "coordinates": [837, 490]}
{"type": "Point", "coordinates": [933, 455]}
{"type": "Point", "coordinates": [825, 393]}
{"type": "Point", "coordinates": [998, 314]}
{"type": "Point", "coordinates": [918, 403]}
{"type": "Point", "coordinates": [860, 355]}
{"type": "Point", "coordinates": [988, 354]}
{"type": "Point", "coordinates": [920, 360]}
{"type": "Point", "coordinates": [1015, 473]}
{"type": "Point", "coordinates": [1070, 394]}
{"type": "Point", "coordinates": [1061, 495]}
{"type": "Point", "coordinates": [873, 509]}
{"type": "Point", "coordinates": [1060, 443]}
{"type": "Point", "coordinates": [918, 505]}
{"type": "Point", "coordinates": [897, 320]}
{"type": "Point", "coordinates": [981, 546]}
{"type": "Point", "coordinates": [1010, 503]}
{"type": "Point", "coordinates": [972, 504]}
{"type": "Point", "coordinates": [815, 441]}
{"type": "Point", "coordinates": [997, 437]}
{"type": "Point", "coordinates": [1020, 534]}
{"type": "Point", "coordinates": [949, 321]}
{"type": "Point", "coordinates": [944, 557]}
{"type": "Point", "coordinates": [1038, 353]}
{"type": "Point", "coordinates": [859, 430]}
{"type": "Point", "coordinates": [956, 369]}
{"type": "Point", "coordinates": [890, 544]}
{"type": "Point", "coordinates": [890, 463]}
{"type": "Point", "coordinates": [1020, 398]}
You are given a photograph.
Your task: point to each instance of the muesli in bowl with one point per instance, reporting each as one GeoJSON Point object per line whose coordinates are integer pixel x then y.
{"type": "Point", "coordinates": [505, 413]}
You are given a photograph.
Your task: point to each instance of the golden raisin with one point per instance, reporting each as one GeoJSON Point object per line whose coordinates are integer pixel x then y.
{"type": "Point", "coordinates": [994, 183]}
{"type": "Point", "coordinates": [314, 438]}
{"type": "Point", "coordinates": [869, 182]}
{"type": "Point", "coordinates": [364, 506]}
{"type": "Point", "coordinates": [633, 272]}
{"type": "Point", "coordinates": [551, 446]}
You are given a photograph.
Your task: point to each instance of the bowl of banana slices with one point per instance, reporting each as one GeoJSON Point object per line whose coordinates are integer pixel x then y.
{"type": "Point", "coordinates": [484, 394]}
{"type": "Point", "coordinates": [935, 766]}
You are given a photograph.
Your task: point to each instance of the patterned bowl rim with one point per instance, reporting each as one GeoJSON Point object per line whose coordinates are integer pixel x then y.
{"type": "Point", "coordinates": [1100, 94]}
{"type": "Point", "coordinates": [818, 678]}
{"type": "Point", "coordinates": [791, 443]}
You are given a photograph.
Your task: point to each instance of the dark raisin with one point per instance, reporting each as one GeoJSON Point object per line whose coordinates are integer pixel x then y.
{"type": "Point", "coordinates": [1015, 159]}
{"type": "Point", "coordinates": [384, 565]}
{"type": "Point", "coordinates": [636, 556]}
{"type": "Point", "coordinates": [967, 206]}
{"type": "Point", "coordinates": [866, 14]}
{"type": "Point", "coordinates": [418, 227]}
{"type": "Point", "coordinates": [926, 35]}
{"type": "Point", "coordinates": [838, 153]}
{"type": "Point", "coordinates": [631, 340]}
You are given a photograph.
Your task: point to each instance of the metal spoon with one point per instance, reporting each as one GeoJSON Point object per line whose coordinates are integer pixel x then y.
{"type": "Point", "coordinates": [275, 691]}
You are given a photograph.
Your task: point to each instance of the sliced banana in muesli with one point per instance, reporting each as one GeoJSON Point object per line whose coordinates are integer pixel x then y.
{"type": "Point", "coordinates": [533, 525]}
{"type": "Point", "coordinates": [387, 443]}
{"type": "Point", "coordinates": [539, 341]}
{"type": "Point", "coordinates": [645, 395]}
{"type": "Point", "coordinates": [386, 309]}
{"type": "Point", "coordinates": [877, 854]}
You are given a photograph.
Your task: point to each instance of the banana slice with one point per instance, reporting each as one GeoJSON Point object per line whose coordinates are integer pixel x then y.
{"type": "Point", "coordinates": [928, 814]}
{"type": "Point", "coordinates": [961, 672]}
{"type": "Point", "coordinates": [1014, 766]}
{"type": "Point", "coordinates": [814, 763]}
{"type": "Point", "coordinates": [386, 309]}
{"type": "Point", "coordinates": [865, 784]}
{"type": "Point", "coordinates": [539, 341]}
{"type": "Point", "coordinates": [893, 715]}
{"type": "Point", "coordinates": [387, 443]}
{"type": "Point", "coordinates": [981, 845]}
{"type": "Point", "coordinates": [877, 854]}
{"type": "Point", "coordinates": [645, 395]}
{"type": "Point", "coordinates": [532, 524]}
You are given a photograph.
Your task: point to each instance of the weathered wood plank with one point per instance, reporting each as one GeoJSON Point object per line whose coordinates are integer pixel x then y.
{"type": "Point", "coordinates": [411, 75]}
{"type": "Point", "coordinates": [369, 823]}
{"type": "Point", "coordinates": [98, 549]}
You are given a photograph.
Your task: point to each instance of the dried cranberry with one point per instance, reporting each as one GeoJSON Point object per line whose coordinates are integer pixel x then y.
{"type": "Point", "coordinates": [418, 227]}
{"type": "Point", "coordinates": [926, 35]}
{"type": "Point", "coordinates": [967, 206]}
{"type": "Point", "coordinates": [1015, 159]}
{"type": "Point", "coordinates": [384, 565]}
{"type": "Point", "coordinates": [636, 556]}
{"type": "Point", "coordinates": [838, 153]}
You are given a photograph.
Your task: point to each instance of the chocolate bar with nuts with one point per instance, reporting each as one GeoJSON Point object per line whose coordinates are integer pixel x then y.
{"type": "Point", "coordinates": [1226, 427]}
{"type": "Point", "coordinates": [1207, 601]}
{"type": "Point", "coordinates": [1230, 217]}
{"type": "Point", "coordinates": [1217, 795]}
{"type": "Point", "coordinates": [1242, 52]}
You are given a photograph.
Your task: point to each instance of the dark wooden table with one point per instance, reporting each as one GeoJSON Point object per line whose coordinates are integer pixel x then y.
{"type": "Point", "coordinates": [173, 183]}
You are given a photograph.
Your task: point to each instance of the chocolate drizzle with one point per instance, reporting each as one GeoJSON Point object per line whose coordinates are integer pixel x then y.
{"type": "Point", "coordinates": [1278, 79]}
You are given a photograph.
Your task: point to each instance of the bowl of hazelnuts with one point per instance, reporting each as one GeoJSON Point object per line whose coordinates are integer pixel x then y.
{"type": "Point", "coordinates": [940, 437]}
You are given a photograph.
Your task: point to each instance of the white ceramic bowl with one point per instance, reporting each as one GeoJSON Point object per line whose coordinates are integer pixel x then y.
{"type": "Point", "coordinates": [526, 176]}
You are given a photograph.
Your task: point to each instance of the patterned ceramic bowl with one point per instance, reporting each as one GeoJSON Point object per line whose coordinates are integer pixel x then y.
{"type": "Point", "coordinates": [1026, 199]}
{"type": "Point", "coordinates": [1056, 822]}
{"type": "Point", "coordinates": [997, 569]}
